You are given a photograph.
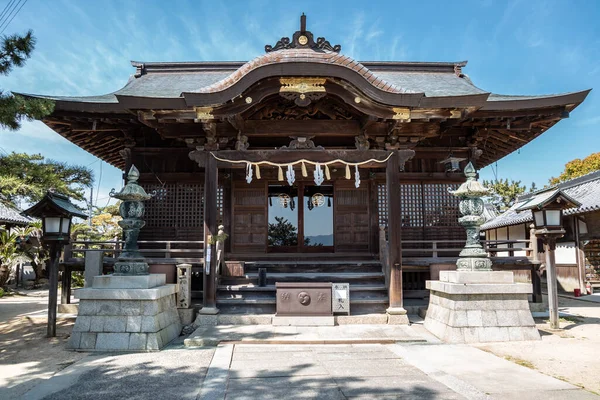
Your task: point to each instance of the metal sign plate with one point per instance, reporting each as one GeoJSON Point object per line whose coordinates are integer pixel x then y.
{"type": "Point", "coordinates": [340, 298]}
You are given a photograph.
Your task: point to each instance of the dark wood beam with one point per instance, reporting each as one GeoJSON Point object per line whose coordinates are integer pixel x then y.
{"type": "Point", "coordinates": [394, 236]}
{"type": "Point", "coordinates": [285, 128]}
{"type": "Point", "coordinates": [211, 175]}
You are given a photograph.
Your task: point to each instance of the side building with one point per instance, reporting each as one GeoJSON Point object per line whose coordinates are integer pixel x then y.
{"type": "Point", "coordinates": [578, 252]}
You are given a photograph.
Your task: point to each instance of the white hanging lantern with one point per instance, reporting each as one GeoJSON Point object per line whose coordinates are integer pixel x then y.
{"type": "Point", "coordinates": [318, 174]}
{"type": "Point", "coordinates": [284, 200]}
{"type": "Point", "coordinates": [317, 200]}
{"type": "Point", "coordinates": [290, 175]}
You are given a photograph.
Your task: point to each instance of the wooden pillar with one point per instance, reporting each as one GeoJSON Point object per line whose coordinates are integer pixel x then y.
{"type": "Point", "coordinates": [209, 302]}
{"type": "Point", "coordinates": [551, 280]}
{"type": "Point", "coordinates": [536, 279]}
{"type": "Point", "coordinates": [579, 255]}
{"type": "Point", "coordinates": [394, 235]}
{"type": "Point", "coordinates": [64, 296]}
{"type": "Point", "coordinates": [53, 290]}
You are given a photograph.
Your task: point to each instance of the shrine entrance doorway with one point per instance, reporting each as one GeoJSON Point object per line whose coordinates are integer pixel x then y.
{"type": "Point", "coordinates": [300, 218]}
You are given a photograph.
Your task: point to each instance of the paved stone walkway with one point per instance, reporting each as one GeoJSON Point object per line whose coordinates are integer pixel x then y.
{"type": "Point", "coordinates": [397, 371]}
{"type": "Point", "coordinates": [253, 371]}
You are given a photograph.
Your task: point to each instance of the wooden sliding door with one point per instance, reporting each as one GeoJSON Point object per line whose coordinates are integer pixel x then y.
{"type": "Point", "coordinates": [249, 233]}
{"type": "Point", "coordinates": [352, 231]}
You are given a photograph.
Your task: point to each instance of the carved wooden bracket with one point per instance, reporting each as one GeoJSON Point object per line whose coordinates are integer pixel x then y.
{"type": "Point", "coordinates": [301, 143]}
{"type": "Point", "coordinates": [404, 156]}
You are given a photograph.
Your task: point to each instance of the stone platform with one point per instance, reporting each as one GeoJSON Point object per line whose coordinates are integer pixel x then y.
{"type": "Point", "coordinates": [477, 307]}
{"type": "Point", "coordinates": [126, 313]}
{"type": "Point", "coordinates": [269, 334]}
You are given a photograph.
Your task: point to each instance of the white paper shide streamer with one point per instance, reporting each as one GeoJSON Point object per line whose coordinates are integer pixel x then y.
{"type": "Point", "coordinates": [290, 175]}
{"type": "Point", "coordinates": [248, 173]}
{"type": "Point", "coordinates": [356, 177]}
{"type": "Point", "coordinates": [318, 175]}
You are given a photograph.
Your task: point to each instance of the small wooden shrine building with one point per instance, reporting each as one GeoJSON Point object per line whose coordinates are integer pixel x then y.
{"type": "Point", "coordinates": [303, 154]}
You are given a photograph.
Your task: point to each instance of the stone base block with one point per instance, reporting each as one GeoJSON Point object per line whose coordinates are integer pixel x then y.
{"type": "Point", "coordinates": [111, 319]}
{"type": "Point", "coordinates": [474, 315]}
{"type": "Point", "coordinates": [186, 315]}
{"type": "Point", "coordinates": [128, 282]}
{"type": "Point", "coordinates": [68, 308]}
{"type": "Point", "coordinates": [303, 321]}
{"type": "Point", "coordinates": [363, 319]}
{"type": "Point", "coordinates": [477, 276]}
{"type": "Point", "coordinates": [398, 319]}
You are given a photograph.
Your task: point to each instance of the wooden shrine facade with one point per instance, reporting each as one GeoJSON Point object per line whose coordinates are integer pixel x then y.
{"type": "Point", "coordinates": [406, 128]}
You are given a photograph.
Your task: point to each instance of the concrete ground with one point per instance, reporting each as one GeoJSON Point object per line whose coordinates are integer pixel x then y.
{"type": "Point", "coordinates": [35, 367]}
{"type": "Point", "coordinates": [251, 371]}
{"type": "Point", "coordinates": [571, 354]}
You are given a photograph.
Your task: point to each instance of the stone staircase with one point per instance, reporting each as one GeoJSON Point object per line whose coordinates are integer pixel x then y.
{"type": "Point", "coordinates": [242, 295]}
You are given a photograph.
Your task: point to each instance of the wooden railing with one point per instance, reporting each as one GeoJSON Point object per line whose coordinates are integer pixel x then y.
{"type": "Point", "coordinates": [176, 250]}
{"type": "Point", "coordinates": [451, 248]}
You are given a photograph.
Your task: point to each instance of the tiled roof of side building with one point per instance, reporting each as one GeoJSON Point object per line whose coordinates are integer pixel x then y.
{"type": "Point", "coordinates": [10, 215]}
{"type": "Point", "coordinates": [585, 189]}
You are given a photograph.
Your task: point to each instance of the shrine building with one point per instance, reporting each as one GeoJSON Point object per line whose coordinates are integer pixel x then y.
{"type": "Point", "coordinates": [319, 167]}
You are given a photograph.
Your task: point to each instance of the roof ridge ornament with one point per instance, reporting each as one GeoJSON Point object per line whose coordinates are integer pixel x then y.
{"type": "Point", "coordinates": [303, 39]}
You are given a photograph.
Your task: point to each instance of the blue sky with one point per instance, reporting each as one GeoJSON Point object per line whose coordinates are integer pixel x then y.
{"type": "Point", "coordinates": [513, 47]}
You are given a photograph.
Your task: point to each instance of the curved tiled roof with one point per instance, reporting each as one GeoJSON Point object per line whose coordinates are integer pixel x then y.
{"type": "Point", "coordinates": [584, 189]}
{"type": "Point", "coordinates": [10, 215]}
{"type": "Point", "coordinates": [302, 56]}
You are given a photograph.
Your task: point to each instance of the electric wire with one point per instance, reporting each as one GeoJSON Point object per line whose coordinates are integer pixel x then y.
{"type": "Point", "coordinates": [11, 14]}
{"type": "Point", "coordinates": [13, 17]}
{"type": "Point", "coordinates": [6, 7]}
{"type": "Point", "coordinates": [99, 181]}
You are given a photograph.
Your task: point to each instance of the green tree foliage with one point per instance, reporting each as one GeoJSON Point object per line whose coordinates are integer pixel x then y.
{"type": "Point", "coordinates": [505, 192]}
{"type": "Point", "coordinates": [14, 51]}
{"type": "Point", "coordinates": [12, 250]}
{"type": "Point", "coordinates": [104, 225]}
{"type": "Point", "coordinates": [578, 167]}
{"type": "Point", "coordinates": [282, 233]}
{"type": "Point", "coordinates": [27, 177]}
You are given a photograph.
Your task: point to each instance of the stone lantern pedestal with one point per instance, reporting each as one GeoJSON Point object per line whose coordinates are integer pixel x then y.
{"type": "Point", "coordinates": [126, 313]}
{"type": "Point", "coordinates": [475, 304]}
{"type": "Point", "coordinates": [478, 307]}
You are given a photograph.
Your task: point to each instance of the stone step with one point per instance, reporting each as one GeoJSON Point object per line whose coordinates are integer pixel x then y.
{"type": "Point", "coordinates": [271, 288]}
{"type": "Point", "coordinates": [354, 296]}
{"type": "Point", "coordinates": [350, 277]}
{"type": "Point", "coordinates": [312, 266]}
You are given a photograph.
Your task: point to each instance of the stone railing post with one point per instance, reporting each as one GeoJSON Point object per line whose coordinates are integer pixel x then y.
{"type": "Point", "coordinates": [184, 281]}
{"type": "Point", "coordinates": [384, 255]}
{"type": "Point", "coordinates": [533, 244]}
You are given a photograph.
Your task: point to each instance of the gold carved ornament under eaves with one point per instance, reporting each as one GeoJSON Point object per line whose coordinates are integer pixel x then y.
{"type": "Point", "coordinates": [302, 91]}
{"type": "Point", "coordinates": [204, 113]}
{"type": "Point", "coordinates": [302, 85]}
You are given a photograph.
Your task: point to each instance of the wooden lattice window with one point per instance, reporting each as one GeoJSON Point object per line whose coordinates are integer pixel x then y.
{"type": "Point", "coordinates": [411, 204]}
{"type": "Point", "coordinates": [176, 205]}
{"type": "Point", "coordinates": [440, 208]}
{"type": "Point", "coordinates": [428, 204]}
{"type": "Point", "coordinates": [382, 212]}
{"type": "Point", "coordinates": [220, 205]}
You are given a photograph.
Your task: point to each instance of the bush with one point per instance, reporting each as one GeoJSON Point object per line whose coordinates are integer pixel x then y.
{"type": "Point", "coordinates": [1, 293]}
{"type": "Point", "coordinates": [77, 280]}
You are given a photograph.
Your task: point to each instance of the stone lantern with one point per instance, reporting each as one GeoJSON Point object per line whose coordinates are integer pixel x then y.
{"type": "Point", "coordinates": [472, 257]}
{"type": "Point", "coordinates": [131, 261]}
{"type": "Point", "coordinates": [475, 304]}
{"type": "Point", "coordinates": [130, 310]}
